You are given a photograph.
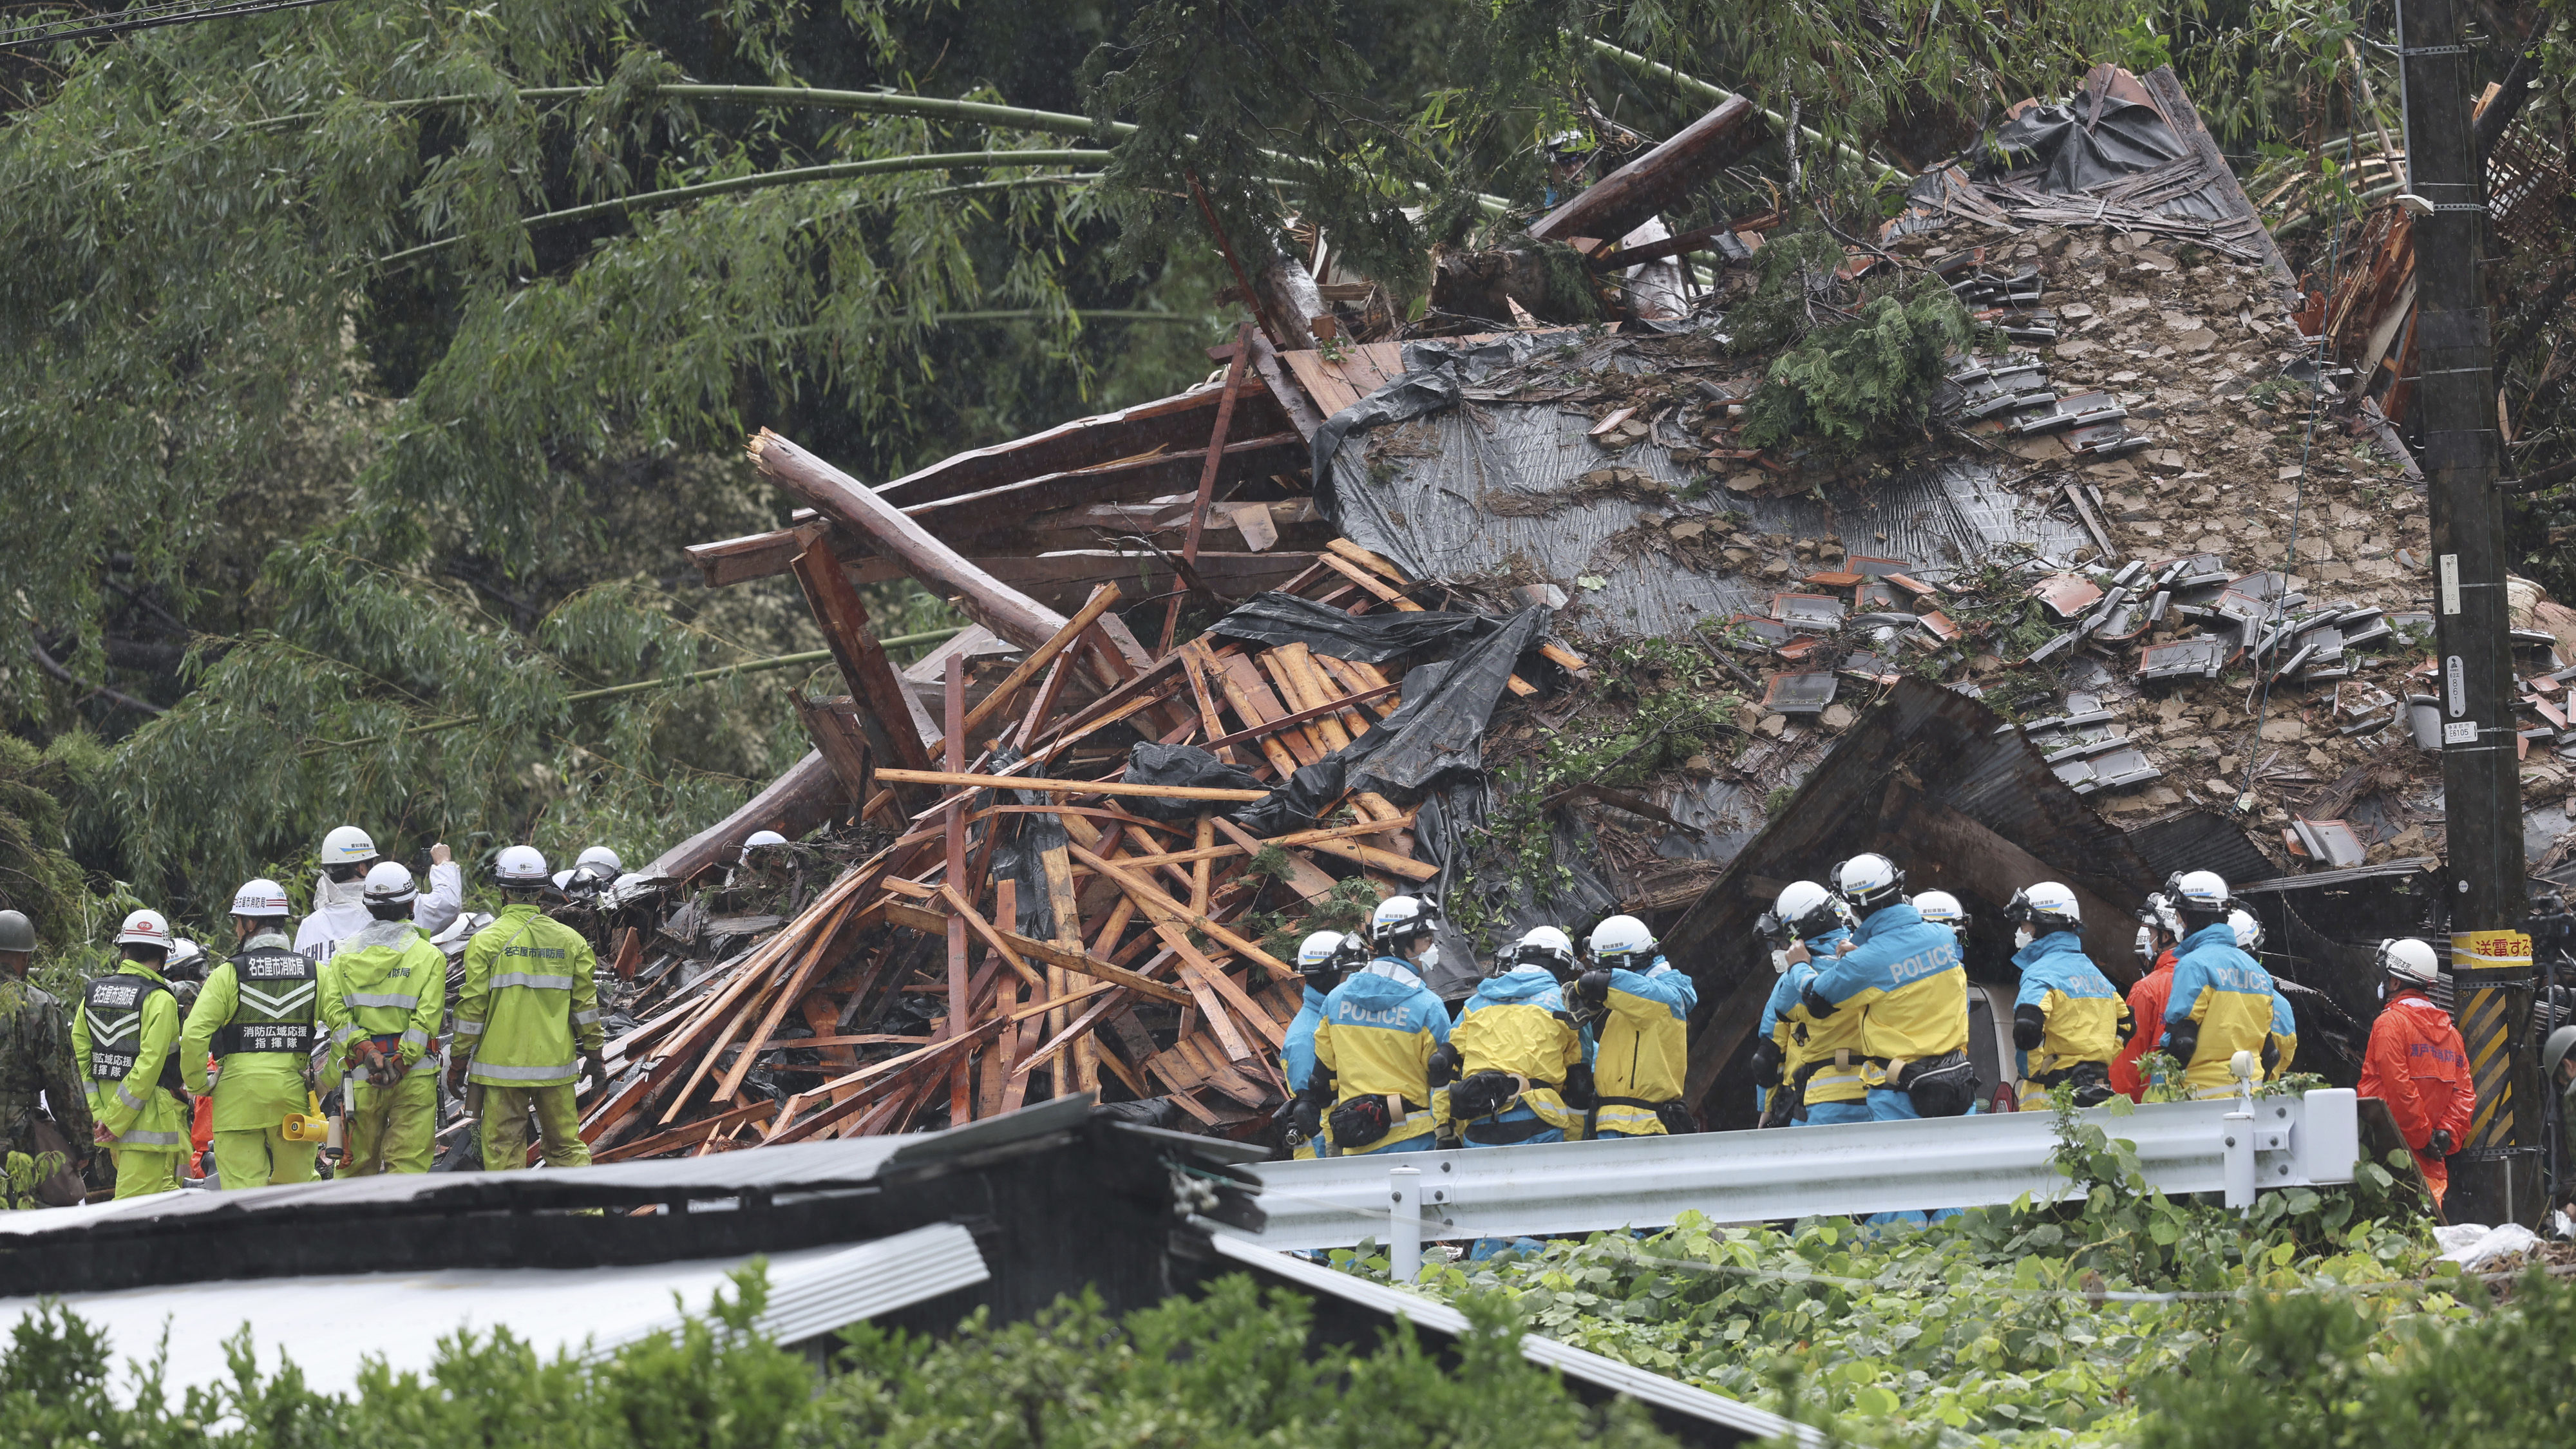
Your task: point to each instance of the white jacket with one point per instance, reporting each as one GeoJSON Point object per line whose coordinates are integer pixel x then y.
{"type": "Point", "coordinates": [340, 911]}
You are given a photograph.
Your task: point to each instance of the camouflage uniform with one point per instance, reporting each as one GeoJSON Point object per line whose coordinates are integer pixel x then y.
{"type": "Point", "coordinates": [36, 1056]}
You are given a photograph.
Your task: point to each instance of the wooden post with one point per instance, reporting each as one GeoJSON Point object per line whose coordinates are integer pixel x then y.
{"type": "Point", "coordinates": [1207, 478]}
{"type": "Point", "coordinates": [1613, 206]}
{"type": "Point", "coordinates": [885, 713]}
{"type": "Point", "coordinates": [961, 1101]}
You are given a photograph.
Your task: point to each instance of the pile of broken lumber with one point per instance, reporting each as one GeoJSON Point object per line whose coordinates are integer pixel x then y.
{"type": "Point", "coordinates": [929, 984]}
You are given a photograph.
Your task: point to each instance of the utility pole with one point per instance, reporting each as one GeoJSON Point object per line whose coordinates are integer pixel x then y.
{"type": "Point", "coordinates": [2494, 1178]}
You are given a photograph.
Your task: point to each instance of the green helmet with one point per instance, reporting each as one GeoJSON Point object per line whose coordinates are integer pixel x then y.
{"type": "Point", "coordinates": [17, 933]}
{"type": "Point", "coordinates": [2560, 1043]}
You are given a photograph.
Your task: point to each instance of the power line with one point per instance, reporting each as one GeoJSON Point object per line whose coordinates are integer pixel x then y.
{"type": "Point", "coordinates": [141, 17]}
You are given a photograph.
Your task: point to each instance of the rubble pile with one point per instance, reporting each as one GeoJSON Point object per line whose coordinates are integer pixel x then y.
{"type": "Point", "coordinates": [2146, 522]}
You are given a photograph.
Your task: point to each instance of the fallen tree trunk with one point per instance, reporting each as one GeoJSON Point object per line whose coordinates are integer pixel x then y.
{"type": "Point", "coordinates": [797, 801]}
{"type": "Point", "coordinates": [1613, 206]}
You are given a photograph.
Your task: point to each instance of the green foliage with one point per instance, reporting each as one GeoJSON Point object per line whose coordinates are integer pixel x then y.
{"type": "Point", "coordinates": [2324, 1373]}
{"type": "Point", "coordinates": [37, 874]}
{"type": "Point", "coordinates": [21, 1173]}
{"type": "Point", "coordinates": [1232, 1368]}
{"type": "Point", "coordinates": [1793, 270]}
{"type": "Point", "coordinates": [1864, 382]}
{"type": "Point", "coordinates": [1983, 1328]}
{"type": "Point", "coordinates": [1655, 703]}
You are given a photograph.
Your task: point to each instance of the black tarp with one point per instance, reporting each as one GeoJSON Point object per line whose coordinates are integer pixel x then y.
{"type": "Point", "coordinates": [2090, 141]}
{"type": "Point", "coordinates": [1021, 856]}
{"type": "Point", "coordinates": [1276, 619]}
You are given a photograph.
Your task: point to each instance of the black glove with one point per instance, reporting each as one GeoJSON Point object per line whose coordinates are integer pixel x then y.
{"type": "Point", "coordinates": [1766, 1062]}
{"type": "Point", "coordinates": [1577, 1090]}
{"type": "Point", "coordinates": [1592, 991]}
{"type": "Point", "coordinates": [1817, 1005]}
{"type": "Point", "coordinates": [2271, 1056]}
{"type": "Point", "coordinates": [2182, 1041]}
{"type": "Point", "coordinates": [2441, 1144]}
{"type": "Point", "coordinates": [1306, 1118]}
{"type": "Point", "coordinates": [1444, 1065]}
{"type": "Point", "coordinates": [2029, 1025]}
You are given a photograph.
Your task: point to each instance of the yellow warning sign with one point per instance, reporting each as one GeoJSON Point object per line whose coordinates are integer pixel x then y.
{"type": "Point", "coordinates": [2486, 950]}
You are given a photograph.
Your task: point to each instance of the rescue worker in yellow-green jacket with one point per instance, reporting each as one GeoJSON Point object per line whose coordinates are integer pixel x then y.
{"type": "Point", "coordinates": [126, 1039]}
{"type": "Point", "coordinates": [1513, 1067]}
{"type": "Point", "coordinates": [382, 995]}
{"type": "Point", "coordinates": [527, 1023]}
{"type": "Point", "coordinates": [257, 1016]}
{"type": "Point", "coordinates": [1638, 1006]}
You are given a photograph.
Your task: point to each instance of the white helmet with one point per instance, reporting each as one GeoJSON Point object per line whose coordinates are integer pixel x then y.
{"type": "Point", "coordinates": [1807, 908]}
{"type": "Point", "coordinates": [347, 845]}
{"type": "Point", "coordinates": [2201, 892]}
{"type": "Point", "coordinates": [758, 838]}
{"type": "Point", "coordinates": [1318, 949]}
{"type": "Point", "coordinates": [2047, 906]}
{"type": "Point", "coordinates": [625, 883]}
{"type": "Point", "coordinates": [389, 883]}
{"type": "Point", "coordinates": [145, 928]}
{"type": "Point", "coordinates": [2159, 912]}
{"type": "Point", "coordinates": [1868, 880]}
{"type": "Point", "coordinates": [597, 855]}
{"type": "Point", "coordinates": [2249, 931]}
{"type": "Point", "coordinates": [563, 878]}
{"type": "Point", "coordinates": [1544, 946]}
{"type": "Point", "coordinates": [1942, 909]}
{"type": "Point", "coordinates": [520, 865]}
{"type": "Point", "coordinates": [1399, 921]}
{"type": "Point", "coordinates": [2410, 961]}
{"type": "Point", "coordinates": [260, 898]}
{"type": "Point", "coordinates": [1620, 939]}
{"type": "Point", "coordinates": [186, 958]}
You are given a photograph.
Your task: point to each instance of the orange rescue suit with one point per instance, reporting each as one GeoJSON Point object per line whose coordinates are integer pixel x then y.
{"type": "Point", "coordinates": [2147, 996]}
{"type": "Point", "coordinates": [2417, 1065]}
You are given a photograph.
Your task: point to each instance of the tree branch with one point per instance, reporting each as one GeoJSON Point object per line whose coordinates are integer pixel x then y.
{"type": "Point", "coordinates": [51, 666]}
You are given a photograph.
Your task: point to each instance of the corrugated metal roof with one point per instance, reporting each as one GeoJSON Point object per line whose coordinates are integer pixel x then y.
{"type": "Point", "coordinates": [329, 1327]}
{"type": "Point", "coordinates": [799, 1167]}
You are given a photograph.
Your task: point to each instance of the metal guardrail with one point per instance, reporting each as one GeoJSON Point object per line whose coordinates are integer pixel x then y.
{"type": "Point", "coordinates": [2236, 1146]}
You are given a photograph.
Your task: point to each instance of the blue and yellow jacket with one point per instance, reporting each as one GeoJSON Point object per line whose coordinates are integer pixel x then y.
{"type": "Point", "coordinates": [2285, 1032]}
{"type": "Point", "coordinates": [2229, 995]}
{"type": "Point", "coordinates": [2084, 1013]}
{"type": "Point", "coordinates": [1517, 1023]}
{"type": "Point", "coordinates": [1909, 985]}
{"type": "Point", "coordinates": [1379, 1030]}
{"type": "Point", "coordinates": [1643, 1051]}
{"type": "Point", "coordinates": [1818, 1040]}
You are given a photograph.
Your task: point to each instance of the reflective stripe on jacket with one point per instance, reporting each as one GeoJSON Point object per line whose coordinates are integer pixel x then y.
{"type": "Point", "coordinates": [529, 1006]}
{"type": "Point", "coordinates": [137, 1103]}
{"type": "Point", "coordinates": [1910, 986]}
{"type": "Point", "coordinates": [1379, 1029]}
{"type": "Point", "coordinates": [2081, 1008]}
{"type": "Point", "coordinates": [1644, 1049]}
{"type": "Point", "coordinates": [257, 1088]}
{"type": "Point", "coordinates": [1517, 1023]}
{"type": "Point", "coordinates": [387, 980]}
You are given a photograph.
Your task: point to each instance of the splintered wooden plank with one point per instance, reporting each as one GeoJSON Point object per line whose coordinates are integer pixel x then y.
{"type": "Point", "coordinates": [1252, 696]}
{"type": "Point", "coordinates": [1211, 668]}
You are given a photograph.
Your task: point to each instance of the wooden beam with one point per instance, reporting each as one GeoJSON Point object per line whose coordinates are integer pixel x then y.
{"type": "Point", "coordinates": [1616, 204]}
{"type": "Point", "coordinates": [960, 780]}
{"type": "Point", "coordinates": [995, 605]}
{"type": "Point", "coordinates": [885, 707]}
{"type": "Point", "coordinates": [806, 796]}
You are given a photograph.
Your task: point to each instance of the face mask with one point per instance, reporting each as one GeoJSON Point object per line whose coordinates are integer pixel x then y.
{"type": "Point", "coordinates": [2022, 938]}
{"type": "Point", "coordinates": [1779, 963]}
{"type": "Point", "coordinates": [1430, 959]}
{"type": "Point", "coordinates": [2383, 990]}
